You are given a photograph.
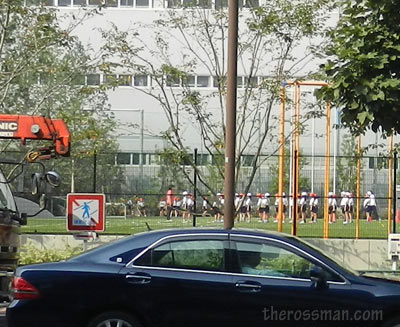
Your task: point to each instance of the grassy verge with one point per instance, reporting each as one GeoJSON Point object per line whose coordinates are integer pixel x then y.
{"type": "Point", "coordinates": [133, 225]}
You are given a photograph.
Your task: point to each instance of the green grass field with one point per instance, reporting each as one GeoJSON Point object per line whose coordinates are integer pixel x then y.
{"type": "Point", "coordinates": [133, 225]}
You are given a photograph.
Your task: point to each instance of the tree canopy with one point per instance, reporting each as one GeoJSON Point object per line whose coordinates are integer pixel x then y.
{"type": "Point", "coordinates": [194, 41]}
{"type": "Point", "coordinates": [363, 66]}
{"type": "Point", "coordinates": [42, 72]}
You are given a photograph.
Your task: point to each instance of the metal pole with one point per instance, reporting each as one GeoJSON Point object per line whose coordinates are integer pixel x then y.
{"type": "Point", "coordinates": [294, 207]}
{"type": "Point", "coordinates": [195, 187]}
{"type": "Point", "coordinates": [281, 157]}
{"type": "Point", "coordinates": [94, 170]}
{"type": "Point", "coordinates": [358, 181]}
{"type": "Point", "coordinates": [297, 113]}
{"type": "Point", "coordinates": [141, 159]}
{"type": "Point", "coordinates": [335, 145]}
{"type": "Point", "coordinates": [72, 175]}
{"type": "Point", "coordinates": [390, 187]}
{"type": "Point", "coordinates": [327, 168]}
{"type": "Point", "coordinates": [230, 137]}
{"type": "Point", "coordinates": [312, 148]}
{"type": "Point", "coordinates": [394, 189]}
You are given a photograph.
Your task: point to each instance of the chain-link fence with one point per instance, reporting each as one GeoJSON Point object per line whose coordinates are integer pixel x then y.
{"type": "Point", "coordinates": [135, 192]}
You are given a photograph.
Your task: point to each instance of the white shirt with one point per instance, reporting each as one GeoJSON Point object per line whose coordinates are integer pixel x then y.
{"type": "Point", "coordinates": [332, 202]}
{"type": "Point", "coordinates": [344, 201]}
{"type": "Point", "coordinates": [372, 201]}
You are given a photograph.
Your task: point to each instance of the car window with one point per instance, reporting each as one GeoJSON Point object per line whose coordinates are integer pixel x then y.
{"type": "Point", "coordinates": [197, 254]}
{"type": "Point", "coordinates": [274, 261]}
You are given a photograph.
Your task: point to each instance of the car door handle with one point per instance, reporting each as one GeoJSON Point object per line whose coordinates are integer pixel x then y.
{"type": "Point", "coordinates": [138, 279]}
{"type": "Point", "coordinates": [248, 286]}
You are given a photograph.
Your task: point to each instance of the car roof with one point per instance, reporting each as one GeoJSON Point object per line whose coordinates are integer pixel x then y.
{"type": "Point", "coordinates": [235, 231]}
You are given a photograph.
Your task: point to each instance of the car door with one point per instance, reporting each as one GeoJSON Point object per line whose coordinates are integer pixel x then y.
{"type": "Point", "coordinates": [273, 287]}
{"type": "Point", "coordinates": [180, 280]}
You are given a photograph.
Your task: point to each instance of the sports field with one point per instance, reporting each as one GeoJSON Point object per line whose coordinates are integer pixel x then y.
{"type": "Point", "coordinates": [133, 225]}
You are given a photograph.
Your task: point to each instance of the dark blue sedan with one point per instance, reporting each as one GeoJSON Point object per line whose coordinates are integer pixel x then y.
{"type": "Point", "coordinates": [201, 277]}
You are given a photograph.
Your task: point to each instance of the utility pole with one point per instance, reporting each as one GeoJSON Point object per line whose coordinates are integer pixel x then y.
{"type": "Point", "coordinates": [230, 136]}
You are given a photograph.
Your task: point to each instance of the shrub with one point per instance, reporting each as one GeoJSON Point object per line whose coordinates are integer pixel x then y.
{"type": "Point", "coordinates": [30, 254]}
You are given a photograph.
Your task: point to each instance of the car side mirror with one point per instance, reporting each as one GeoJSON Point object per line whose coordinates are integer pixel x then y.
{"type": "Point", "coordinates": [52, 178]}
{"type": "Point", "coordinates": [318, 276]}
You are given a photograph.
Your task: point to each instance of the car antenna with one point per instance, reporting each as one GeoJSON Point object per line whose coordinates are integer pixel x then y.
{"type": "Point", "coordinates": [148, 227]}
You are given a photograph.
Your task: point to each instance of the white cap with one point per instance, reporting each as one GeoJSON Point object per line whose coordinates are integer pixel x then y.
{"type": "Point", "coordinates": [330, 193]}
{"type": "Point", "coordinates": [248, 194]}
{"type": "Point", "coordinates": [266, 194]}
{"type": "Point", "coordinates": [369, 193]}
{"type": "Point", "coordinates": [283, 194]}
{"type": "Point", "coordinates": [218, 194]}
{"type": "Point", "coordinates": [184, 193]}
{"type": "Point", "coordinates": [236, 194]}
{"type": "Point", "coordinates": [303, 193]}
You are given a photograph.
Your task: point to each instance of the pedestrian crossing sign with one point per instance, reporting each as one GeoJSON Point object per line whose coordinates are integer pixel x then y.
{"type": "Point", "coordinates": [85, 212]}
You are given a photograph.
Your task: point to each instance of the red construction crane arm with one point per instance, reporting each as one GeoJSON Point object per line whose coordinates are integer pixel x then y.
{"type": "Point", "coordinates": [25, 127]}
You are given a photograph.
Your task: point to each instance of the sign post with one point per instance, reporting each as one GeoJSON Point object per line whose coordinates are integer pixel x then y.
{"type": "Point", "coordinates": [85, 215]}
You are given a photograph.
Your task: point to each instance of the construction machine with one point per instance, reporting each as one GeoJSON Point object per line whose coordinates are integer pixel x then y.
{"type": "Point", "coordinates": [23, 128]}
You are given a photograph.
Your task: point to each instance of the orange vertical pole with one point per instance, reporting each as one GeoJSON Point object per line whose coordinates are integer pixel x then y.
{"type": "Point", "coordinates": [297, 136]}
{"type": "Point", "coordinates": [327, 168]}
{"type": "Point", "coordinates": [358, 187]}
{"type": "Point", "coordinates": [295, 154]}
{"type": "Point", "coordinates": [281, 157]}
{"type": "Point", "coordinates": [390, 187]}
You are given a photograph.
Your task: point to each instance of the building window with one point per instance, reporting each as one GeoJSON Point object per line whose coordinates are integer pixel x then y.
{"type": "Point", "coordinates": [78, 80]}
{"type": "Point", "coordinates": [189, 3]}
{"type": "Point", "coordinates": [382, 163]}
{"type": "Point", "coordinates": [251, 81]}
{"type": "Point", "coordinates": [172, 81]}
{"type": "Point", "coordinates": [142, 3]}
{"type": "Point", "coordinates": [202, 159]}
{"type": "Point", "coordinates": [123, 158]}
{"type": "Point", "coordinates": [125, 80]}
{"type": "Point", "coordinates": [111, 3]}
{"type": "Point", "coordinates": [191, 81]}
{"type": "Point", "coordinates": [64, 3]}
{"type": "Point", "coordinates": [135, 158]}
{"type": "Point", "coordinates": [252, 3]}
{"type": "Point", "coordinates": [93, 79]}
{"type": "Point", "coordinates": [126, 3]}
{"type": "Point", "coordinates": [219, 4]}
{"type": "Point", "coordinates": [140, 80]}
{"type": "Point", "coordinates": [247, 160]}
{"type": "Point", "coordinates": [110, 78]}
{"type": "Point", "coordinates": [203, 81]}
{"type": "Point", "coordinates": [371, 162]}
{"type": "Point", "coordinates": [39, 2]}
{"type": "Point", "coordinates": [219, 80]}
{"type": "Point", "coordinates": [239, 81]}
{"type": "Point", "coordinates": [78, 2]}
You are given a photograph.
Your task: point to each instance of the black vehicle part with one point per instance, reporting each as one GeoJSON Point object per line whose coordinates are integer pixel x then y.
{"type": "Point", "coordinates": [114, 319]}
{"type": "Point", "coordinates": [395, 322]}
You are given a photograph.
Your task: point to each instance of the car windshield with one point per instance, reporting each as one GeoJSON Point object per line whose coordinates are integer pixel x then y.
{"type": "Point", "coordinates": [6, 197]}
